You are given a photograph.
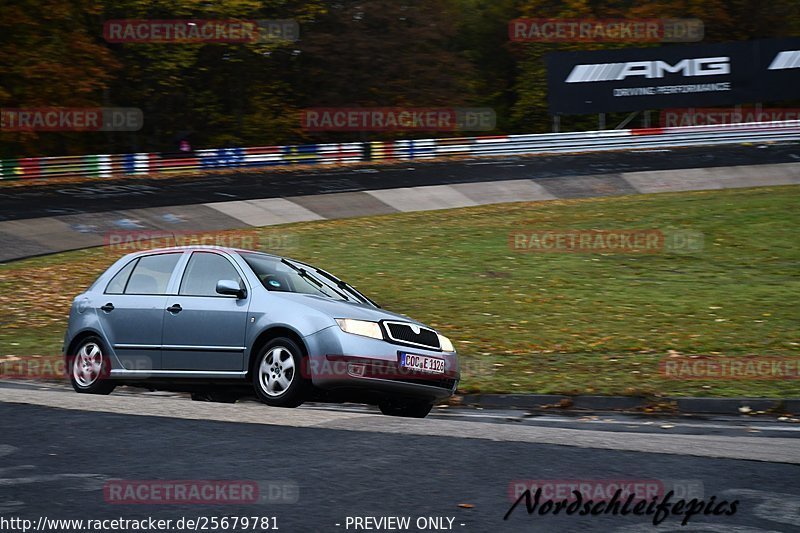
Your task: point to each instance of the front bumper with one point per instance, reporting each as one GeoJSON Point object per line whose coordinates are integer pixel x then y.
{"type": "Point", "coordinates": [343, 362]}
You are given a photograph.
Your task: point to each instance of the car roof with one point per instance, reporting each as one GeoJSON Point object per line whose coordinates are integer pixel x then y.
{"type": "Point", "coordinates": [199, 247]}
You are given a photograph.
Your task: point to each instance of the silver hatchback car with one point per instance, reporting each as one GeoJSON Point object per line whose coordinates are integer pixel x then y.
{"type": "Point", "coordinates": [221, 323]}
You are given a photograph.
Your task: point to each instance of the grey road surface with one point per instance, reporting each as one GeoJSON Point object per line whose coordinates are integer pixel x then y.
{"type": "Point", "coordinates": [324, 467]}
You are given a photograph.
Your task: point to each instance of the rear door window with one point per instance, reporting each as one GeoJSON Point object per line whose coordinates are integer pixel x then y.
{"type": "Point", "coordinates": [152, 273]}
{"type": "Point", "coordinates": [118, 282]}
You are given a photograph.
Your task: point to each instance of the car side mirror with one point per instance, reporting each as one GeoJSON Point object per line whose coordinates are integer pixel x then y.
{"type": "Point", "coordinates": [230, 288]}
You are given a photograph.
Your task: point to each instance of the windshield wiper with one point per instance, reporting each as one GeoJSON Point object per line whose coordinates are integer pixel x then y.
{"type": "Point", "coordinates": [347, 287]}
{"type": "Point", "coordinates": [305, 275]}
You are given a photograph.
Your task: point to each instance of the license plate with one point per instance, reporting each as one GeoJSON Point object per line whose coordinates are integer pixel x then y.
{"type": "Point", "coordinates": [422, 363]}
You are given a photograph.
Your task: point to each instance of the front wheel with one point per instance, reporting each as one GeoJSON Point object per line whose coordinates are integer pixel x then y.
{"type": "Point", "coordinates": [406, 408]}
{"type": "Point", "coordinates": [89, 368]}
{"type": "Point", "coordinates": [277, 376]}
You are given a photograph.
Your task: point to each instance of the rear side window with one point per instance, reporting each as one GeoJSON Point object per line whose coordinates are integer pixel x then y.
{"type": "Point", "coordinates": [203, 272]}
{"type": "Point", "coordinates": [151, 274]}
{"type": "Point", "coordinates": [118, 282]}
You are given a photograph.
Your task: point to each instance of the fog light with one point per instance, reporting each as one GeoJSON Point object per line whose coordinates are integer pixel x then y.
{"type": "Point", "coordinates": [356, 370]}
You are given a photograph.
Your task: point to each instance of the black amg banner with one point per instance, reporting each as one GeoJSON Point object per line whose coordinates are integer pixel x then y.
{"type": "Point", "coordinates": [673, 76]}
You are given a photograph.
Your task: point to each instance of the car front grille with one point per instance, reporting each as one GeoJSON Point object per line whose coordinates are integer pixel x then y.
{"type": "Point", "coordinates": [403, 333]}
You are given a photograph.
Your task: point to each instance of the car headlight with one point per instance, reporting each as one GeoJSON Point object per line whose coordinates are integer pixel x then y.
{"type": "Point", "coordinates": [360, 327]}
{"type": "Point", "coordinates": [445, 343]}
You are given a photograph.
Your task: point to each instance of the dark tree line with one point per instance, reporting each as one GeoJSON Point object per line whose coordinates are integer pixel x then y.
{"type": "Point", "coordinates": [381, 53]}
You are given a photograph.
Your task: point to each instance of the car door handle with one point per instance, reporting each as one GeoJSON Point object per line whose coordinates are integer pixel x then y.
{"type": "Point", "coordinates": [108, 307]}
{"type": "Point", "coordinates": [175, 308]}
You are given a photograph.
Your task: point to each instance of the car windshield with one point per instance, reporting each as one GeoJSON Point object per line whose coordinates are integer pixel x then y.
{"type": "Point", "coordinates": [285, 275]}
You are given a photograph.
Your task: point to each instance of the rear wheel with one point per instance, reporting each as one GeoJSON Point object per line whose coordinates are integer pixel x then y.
{"type": "Point", "coordinates": [277, 376]}
{"type": "Point", "coordinates": [406, 408]}
{"type": "Point", "coordinates": [89, 368]}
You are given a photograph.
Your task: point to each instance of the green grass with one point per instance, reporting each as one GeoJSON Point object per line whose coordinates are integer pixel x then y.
{"type": "Point", "coordinates": [534, 322]}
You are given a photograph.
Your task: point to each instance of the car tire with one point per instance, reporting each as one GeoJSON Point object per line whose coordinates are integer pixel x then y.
{"type": "Point", "coordinates": [214, 396]}
{"type": "Point", "coordinates": [406, 408]}
{"type": "Point", "coordinates": [89, 368]}
{"type": "Point", "coordinates": [277, 374]}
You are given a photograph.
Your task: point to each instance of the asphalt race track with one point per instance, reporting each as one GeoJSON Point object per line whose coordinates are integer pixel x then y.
{"type": "Point", "coordinates": [321, 467]}
{"type": "Point", "coordinates": [130, 193]}
{"type": "Point", "coordinates": [58, 450]}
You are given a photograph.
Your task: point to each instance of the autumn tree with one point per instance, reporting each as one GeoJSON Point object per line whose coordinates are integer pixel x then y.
{"type": "Point", "coordinates": [384, 53]}
{"type": "Point", "coordinates": [50, 57]}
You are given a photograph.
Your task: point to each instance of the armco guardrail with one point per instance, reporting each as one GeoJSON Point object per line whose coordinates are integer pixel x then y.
{"type": "Point", "coordinates": [104, 166]}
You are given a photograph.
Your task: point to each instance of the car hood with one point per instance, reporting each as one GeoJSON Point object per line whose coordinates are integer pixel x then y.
{"type": "Point", "coordinates": [342, 309]}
